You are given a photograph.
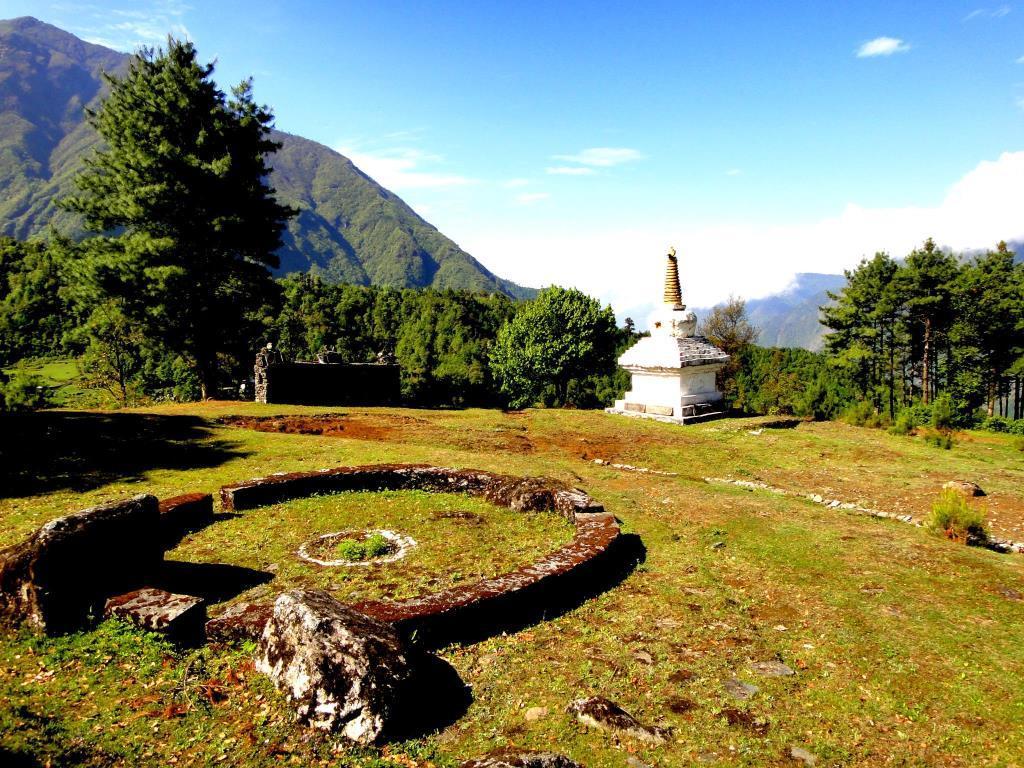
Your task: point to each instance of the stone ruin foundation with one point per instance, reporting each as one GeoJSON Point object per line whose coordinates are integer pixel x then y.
{"type": "Point", "coordinates": [345, 667]}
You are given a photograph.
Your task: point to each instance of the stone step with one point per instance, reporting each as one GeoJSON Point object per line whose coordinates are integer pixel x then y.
{"type": "Point", "coordinates": [180, 617]}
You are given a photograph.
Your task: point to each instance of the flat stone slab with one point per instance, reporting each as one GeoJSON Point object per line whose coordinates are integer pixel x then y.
{"type": "Point", "coordinates": [772, 668]}
{"type": "Point", "coordinates": [155, 610]}
{"type": "Point", "coordinates": [599, 712]}
{"type": "Point", "coordinates": [738, 689]}
{"type": "Point", "coordinates": [243, 621]}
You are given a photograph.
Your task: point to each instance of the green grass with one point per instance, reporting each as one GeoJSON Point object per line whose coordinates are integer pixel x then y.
{"type": "Point", "coordinates": [908, 649]}
{"type": "Point", "coordinates": [457, 539]}
{"type": "Point", "coordinates": [65, 380]}
{"type": "Point", "coordinates": [358, 550]}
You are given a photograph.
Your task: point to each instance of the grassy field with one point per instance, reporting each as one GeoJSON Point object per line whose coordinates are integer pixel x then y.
{"type": "Point", "coordinates": [908, 649]}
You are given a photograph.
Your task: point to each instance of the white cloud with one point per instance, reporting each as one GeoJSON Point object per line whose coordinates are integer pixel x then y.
{"type": "Point", "coordinates": [988, 13]}
{"type": "Point", "coordinates": [602, 157]}
{"type": "Point", "coordinates": [400, 168]}
{"type": "Point", "coordinates": [126, 29]}
{"type": "Point", "coordinates": [570, 170]}
{"type": "Point", "coordinates": [623, 266]}
{"type": "Point", "coordinates": [882, 46]}
{"type": "Point", "coordinates": [525, 198]}
{"type": "Point", "coordinates": [513, 183]}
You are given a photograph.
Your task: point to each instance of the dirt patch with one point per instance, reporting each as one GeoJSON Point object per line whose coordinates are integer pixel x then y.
{"type": "Point", "coordinates": [329, 425]}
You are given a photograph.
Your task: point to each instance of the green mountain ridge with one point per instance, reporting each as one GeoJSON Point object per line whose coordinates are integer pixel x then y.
{"type": "Point", "coordinates": [349, 228]}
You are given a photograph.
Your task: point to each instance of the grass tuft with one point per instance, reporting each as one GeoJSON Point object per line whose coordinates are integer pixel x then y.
{"type": "Point", "coordinates": [357, 550]}
{"type": "Point", "coordinates": [956, 519]}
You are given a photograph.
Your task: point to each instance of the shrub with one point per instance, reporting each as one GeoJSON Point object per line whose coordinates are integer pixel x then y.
{"type": "Point", "coordinates": [1017, 427]}
{"type": "Point", "coordinates": [954, 518]}
{"type": "Point", "coordinates": [943, 414]}
{"type": "Point", "coordinates": [996, 424]}
{"type": "Point", "coordinates": [906, 422]}
{"type": "Point", "coordinates": [357, 550]}
{"type": "Point", "coordinates": [942, 440]}
{"type": "Point", "coordinates": [24, 392]}
{"type": "Point", "coordinates": [863, 414]}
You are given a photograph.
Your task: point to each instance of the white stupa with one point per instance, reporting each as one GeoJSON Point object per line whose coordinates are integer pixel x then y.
{"type": "Point", "coordinates": [673, 370]}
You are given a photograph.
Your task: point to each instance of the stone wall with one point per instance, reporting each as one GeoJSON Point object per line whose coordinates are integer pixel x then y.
{"type": "Point", "coordinates": [328, 383]}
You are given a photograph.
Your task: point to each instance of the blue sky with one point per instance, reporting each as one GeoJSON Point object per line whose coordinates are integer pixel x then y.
{"type": "Point", "coordinates": [573, 142]}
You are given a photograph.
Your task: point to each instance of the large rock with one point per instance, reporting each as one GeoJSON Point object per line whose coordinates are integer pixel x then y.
{"type": "Point", "coordinates": [181, 515]}
{"type": "Point", "coordinates": [513, 758]}
{"type": "Point", "coordinates": [63, 573]}
{"type": "Point", "coordinates": [964, 488]}
{"type": "Point", "coordinates": [342, 669]}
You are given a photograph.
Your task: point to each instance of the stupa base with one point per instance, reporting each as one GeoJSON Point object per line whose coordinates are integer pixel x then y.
{"type": "Point", "coordinates": [685, 414]}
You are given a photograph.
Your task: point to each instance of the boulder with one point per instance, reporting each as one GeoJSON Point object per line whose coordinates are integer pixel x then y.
{"type": "Point", "coordinates": [599, 712]}
{"type": "Point", "coordinates": [342, 669]}
{"type": "Point", "coordinates": [180, 617]}
{"type": "Point", "coordinates": [63, 573]}
{"type": "Point", "coordinates": [513, 758]}
{"type": "Point", "coordinates": [965, 487]}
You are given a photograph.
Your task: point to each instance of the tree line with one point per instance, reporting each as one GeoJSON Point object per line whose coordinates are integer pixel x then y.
{"type": "Point", "coordinates": [932, 326]}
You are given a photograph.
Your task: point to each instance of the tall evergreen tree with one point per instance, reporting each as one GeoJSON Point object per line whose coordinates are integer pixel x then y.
{"type": "Point", "coordinates": [187, 223]}
{"type": "Point", "coordinates": [926, 284]}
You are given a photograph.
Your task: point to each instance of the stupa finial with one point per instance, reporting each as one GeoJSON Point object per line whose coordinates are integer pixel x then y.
{"type": "Point", "coordinates": [673, 293]}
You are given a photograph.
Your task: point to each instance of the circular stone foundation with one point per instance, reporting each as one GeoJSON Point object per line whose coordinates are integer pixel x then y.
{"type": "Point", "coordinates": [400, 548]}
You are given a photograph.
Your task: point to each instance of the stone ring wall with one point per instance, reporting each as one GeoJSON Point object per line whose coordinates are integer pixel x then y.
{"type": "Point", "coordinates": [451, 611]}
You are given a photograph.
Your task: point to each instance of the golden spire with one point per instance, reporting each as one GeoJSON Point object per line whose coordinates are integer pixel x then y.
{"type": "Point", "coordinates": [673, 293]}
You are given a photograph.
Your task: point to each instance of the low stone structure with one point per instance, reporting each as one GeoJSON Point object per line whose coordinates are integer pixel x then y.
{"type": "Point", "coordinates": [673, 370]}
{"type": "Point", "coordinates": [325, 383]}
{"type": "Point", "coordinates": [63, 573]}
{"type": "Point", "coordinates": [444, 613]}
{"type": "Point", "coordinates": [181, 515]}
{"type": "Point", "coordinates": [341, 668]}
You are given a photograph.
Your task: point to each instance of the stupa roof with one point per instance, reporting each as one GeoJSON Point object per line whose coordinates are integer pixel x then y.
{"type": "Point", "coordinates": [672, 352]}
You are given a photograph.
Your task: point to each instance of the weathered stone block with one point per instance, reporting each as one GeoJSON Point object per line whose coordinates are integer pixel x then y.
{"type": "Point", "coordinates": [180, 617]}
{"type": "Point", "coordinates": [342, 669]}
{"type": "Point", "coordinates": [181, 515]}
{"type": "Point", "coordinates": [244, 621]}
{"type": "Point", "coordinates": [62, 574]}
{"type": "Point", "coordinates": [659, 410]}
{"type": "Point", "coordinates": [636, 407]}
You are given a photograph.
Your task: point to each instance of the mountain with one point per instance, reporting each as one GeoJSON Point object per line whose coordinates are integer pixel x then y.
{"type": "Point", "coordinates": [790, 318]}
{"type": "Point", "coordinates": [349, 229]}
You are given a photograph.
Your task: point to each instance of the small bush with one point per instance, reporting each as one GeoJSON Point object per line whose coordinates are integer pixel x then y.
{"type": "Point", "coordinates": [943, 414]}
{"type": "Point", "coordinates": [942, 440]}
{"type": "Point", "coordinates": [954, 518]}
{"type": "Point", "coordinates": [24, 392]}
{"type": "Point", "coordinates": [906, 422]}
{"type": "Point", "coordinates": [1017, 427]}
{"type": "Point", "coordinates": [357, 550]}
{"type": "Point", "coordinates": [863, 414]}
{"type": "Point", "coordinates": [996, 424]}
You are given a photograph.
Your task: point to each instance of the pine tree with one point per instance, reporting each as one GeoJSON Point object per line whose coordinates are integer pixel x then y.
{"type": "Point", "coordinates": [187, 224]}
